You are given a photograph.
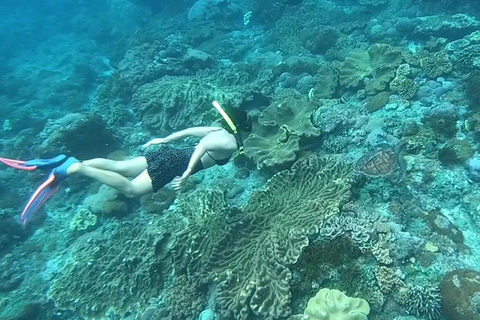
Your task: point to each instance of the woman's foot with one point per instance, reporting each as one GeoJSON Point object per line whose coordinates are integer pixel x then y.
{"type": "Point", "coordinates": [65, 169]}
{"type": "Point", "coordinates": [74, 167]}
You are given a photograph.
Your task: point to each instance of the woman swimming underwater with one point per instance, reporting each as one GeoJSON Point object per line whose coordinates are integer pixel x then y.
{"type": "Point", "coordinates": [150, 172]}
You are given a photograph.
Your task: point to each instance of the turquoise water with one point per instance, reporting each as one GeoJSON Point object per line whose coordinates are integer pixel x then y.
{"type": "Point", "coordinates": [356, 197]}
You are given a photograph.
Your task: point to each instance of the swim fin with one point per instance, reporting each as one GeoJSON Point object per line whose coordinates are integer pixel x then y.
{"type": "Point", "coordinates": [46, 189]}
{"type": "Point", "coordinates": [31, 165]}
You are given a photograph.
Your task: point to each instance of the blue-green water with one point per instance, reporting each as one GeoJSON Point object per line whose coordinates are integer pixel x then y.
{"type": "Point", "coordinates": [357, 195]}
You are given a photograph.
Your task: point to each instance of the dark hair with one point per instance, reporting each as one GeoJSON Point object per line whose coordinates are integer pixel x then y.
{"type": "Point", "coordinates": [240, 118]}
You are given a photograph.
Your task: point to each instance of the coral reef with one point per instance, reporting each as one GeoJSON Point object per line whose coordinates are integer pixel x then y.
{"type": "Point", "coordinates": [250, 256]}
{"type": "Point", "coordinates": [257, 237]}
{"type": "Point", "coordinates": [84, 220]}
{"type": "Point", "coordinates": [173, 103]}
{"type": "Point", "coordinates": [281, 131]}
{"type": "Point", "coordinates": [111, 270]}
{"type": "Point", "coordinates": [334, 304]}
{"type": "Point", "coordinates": [378, 62]}
{"type": "Point", "coordinates": [460, 291]}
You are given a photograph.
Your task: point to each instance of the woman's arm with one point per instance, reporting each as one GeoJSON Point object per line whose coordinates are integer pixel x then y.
{"type": "Point", "coordinates": [199, 132]}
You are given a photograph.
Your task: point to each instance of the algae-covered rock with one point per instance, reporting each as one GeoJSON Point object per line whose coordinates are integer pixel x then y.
{"type": "Point", "coordinates": [461, 291]}
{"type": "Point", "coordinates": [455, 151]}
{"type": "Point", "coordinates": [378, 101]}
{"type": "Point", "coordinates": [108, 202]}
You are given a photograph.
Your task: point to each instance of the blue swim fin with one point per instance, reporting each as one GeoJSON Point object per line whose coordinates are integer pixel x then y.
{"type": "Point", "coordinates": [46, 189]}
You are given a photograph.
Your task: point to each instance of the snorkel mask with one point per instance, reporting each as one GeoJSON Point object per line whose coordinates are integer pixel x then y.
{"type": "Point", "coordinates": [232, 126]}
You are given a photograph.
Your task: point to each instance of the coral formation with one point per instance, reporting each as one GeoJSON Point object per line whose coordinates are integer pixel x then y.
{"type": "Point", "coordinates": [84, 220]}
{"type": "Point", "coordinates": [107, 202]}
{"type": "Point", "coordinates": [436, 64]}
{"type": "Point", "coordinates": [250, 256]}
{"type": "Point", "coordinates": [455, 151]}
{"type": "Point", "coordinates": [334, 304]}
{"type": "Point", "coordinates": [173, 103]}
{"type": "Point", "coordinates": [460, 291]}
{"type": "Point", "coordinates": [281, 131]}
{"type": "Point", "coordinates": [424, 302]}
{"type": "Point", "coordinates": [378, 62]}
{"type": "Point", "coordinates": [86, 136]}
{"type": "Point", "coordinates": [111, 270]}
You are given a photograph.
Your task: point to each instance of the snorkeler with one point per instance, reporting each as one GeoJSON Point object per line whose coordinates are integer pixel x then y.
{"type": "Point", "coordinates": [150, 172]}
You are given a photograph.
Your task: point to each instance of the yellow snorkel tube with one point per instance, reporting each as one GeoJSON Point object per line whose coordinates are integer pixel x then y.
{"type": "Point", "coordinates": [230, 123]}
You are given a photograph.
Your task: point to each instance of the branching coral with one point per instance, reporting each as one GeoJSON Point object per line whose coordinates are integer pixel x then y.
{"type": "Point", "coordinates": [83, 220]}
{"type": "Point", "coordinates": [404, 86]}
{"type": "Point", "coordinates": [469, 57]}
{"type": "Point", "coordinates": [250, 255]}
{"type": "Point", "coordinates": [425, 302]}
{"type": "Point", "coordinates": [436, 64]}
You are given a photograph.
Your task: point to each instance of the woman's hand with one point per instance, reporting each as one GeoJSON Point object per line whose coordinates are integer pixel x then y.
{"type": "Point", "coordinates": [178, 182]}
{"type": "Point", "coordinates": [155, 141]}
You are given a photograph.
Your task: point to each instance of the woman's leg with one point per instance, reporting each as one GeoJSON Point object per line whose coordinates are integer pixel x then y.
{"type": "Point", "coordinates": [127, 168]}
{"type": "Point", "coordinates": [139, 186]}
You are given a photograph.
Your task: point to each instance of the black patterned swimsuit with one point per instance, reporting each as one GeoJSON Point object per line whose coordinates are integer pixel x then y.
{"type": "Point", "coordinates": [167, 163]}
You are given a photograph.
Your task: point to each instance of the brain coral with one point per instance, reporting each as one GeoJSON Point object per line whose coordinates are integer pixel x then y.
{"type": "Point", "coordinates": [331, 304]}
{"type": "Point", "coordinates": [249, 250]}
